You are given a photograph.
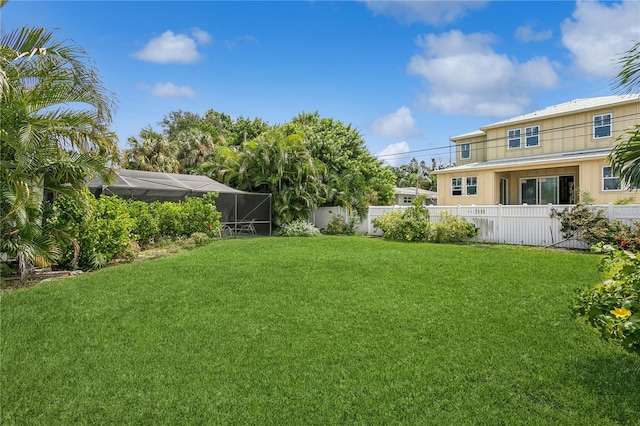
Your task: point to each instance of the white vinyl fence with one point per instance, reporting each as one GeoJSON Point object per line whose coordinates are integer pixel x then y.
{"type": "Point", "coordinates": [522, 224]}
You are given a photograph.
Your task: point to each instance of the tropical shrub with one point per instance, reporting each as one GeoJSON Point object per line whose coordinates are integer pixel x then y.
{"type": "Point", "coordinates": [612, 307]}
{"type": "Point", "coordinates": [68, 219]}
{"type": "Point", "coordinates": [337, 225]}
{"type": "Point", "coordinates": [108, 233]}
{"type": "Point", "coordinates": [452, 229]}
{"type": "Point", "coordinates": [298, 228]}
{"type": "Point", "coordinates": [412, 224]}
{"type": "Point", "coordinates": [147, 227]}
{"type": "Point", "coordinates": [93, 232]}
{"type": "Point", "coordinates": [588, 224]}
{"type": "Point", "coordinates": [200, 215]}
{"type": "Point", "coordinates": [170, 220]}
{"type": "Point", "coordinates": [200, 238]}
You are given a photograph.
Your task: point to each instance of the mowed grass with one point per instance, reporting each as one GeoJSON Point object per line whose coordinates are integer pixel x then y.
{"type": "Point", "coordinates": [316, 331]}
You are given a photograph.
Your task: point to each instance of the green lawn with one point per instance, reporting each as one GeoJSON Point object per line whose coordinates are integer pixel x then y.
{"type": "Point", "coordinates": [316, 331]}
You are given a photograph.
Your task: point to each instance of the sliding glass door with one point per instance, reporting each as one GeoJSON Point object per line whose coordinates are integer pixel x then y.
{"type": "Point", "coordinates": [541, 190]}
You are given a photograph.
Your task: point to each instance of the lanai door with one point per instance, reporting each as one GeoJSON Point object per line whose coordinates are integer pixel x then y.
{"type": "Point", "coordinates": [546, 190]}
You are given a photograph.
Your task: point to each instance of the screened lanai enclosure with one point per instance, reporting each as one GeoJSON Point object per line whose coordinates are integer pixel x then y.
{"type": "Point", "coordinates": [240, 210]}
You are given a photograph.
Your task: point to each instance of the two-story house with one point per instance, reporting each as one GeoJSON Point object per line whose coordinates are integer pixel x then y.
{"type": "Point", "coordinates": [542, 157]}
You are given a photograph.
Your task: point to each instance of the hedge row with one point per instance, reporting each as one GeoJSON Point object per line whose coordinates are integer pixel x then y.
{"type": "Point", "coordinates": [92, 232]}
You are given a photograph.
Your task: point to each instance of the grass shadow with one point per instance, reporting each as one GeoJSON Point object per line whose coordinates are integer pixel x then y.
{"type": "Point", "coordinates": [614, 380]}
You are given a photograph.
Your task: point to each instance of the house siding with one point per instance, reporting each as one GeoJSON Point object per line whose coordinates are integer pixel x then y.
{"type": "Point", "coordinates": [563, 133]}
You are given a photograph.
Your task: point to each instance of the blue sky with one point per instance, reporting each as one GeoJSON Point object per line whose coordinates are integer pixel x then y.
{"type": "Point", "coordinates": [407, 74]}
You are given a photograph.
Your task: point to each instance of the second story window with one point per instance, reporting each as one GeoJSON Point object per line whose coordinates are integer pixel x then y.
{"type": "Point", "coordinates": [514, 139]}
{"type": "Point", "coordinates": [465, 151]}
{"type": "Point", "coordinates": [602, 126]}
{"type": "Point", "coordinates": [532, 136]}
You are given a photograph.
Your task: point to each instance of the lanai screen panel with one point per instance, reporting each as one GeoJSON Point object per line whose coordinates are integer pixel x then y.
{"type": "Point", "coordinates": [237, 207]}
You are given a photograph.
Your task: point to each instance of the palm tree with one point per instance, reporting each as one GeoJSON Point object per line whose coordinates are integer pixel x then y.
{"type": "Point", "coordinates": [625, 156]}
{"type": "Point", "coordinates": [283, 166]}
{"type": "Point", "coordinates": [152, 152]}
{"type": "Point", "coordinates": [194, 145]}
{"type": "Point", "coordinates": [55, 116]}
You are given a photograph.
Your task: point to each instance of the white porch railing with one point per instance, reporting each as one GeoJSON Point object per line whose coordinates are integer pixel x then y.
{"type": "Point", "coordinates": [521, 224]}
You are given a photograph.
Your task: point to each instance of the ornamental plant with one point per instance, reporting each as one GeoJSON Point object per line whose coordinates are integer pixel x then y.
{"type": "Point", "coordinates": [414, 225]}
{"type": "Point", "coordinates": [613, 307]}
{"type": "Point", "coordinates": [452, 229]}
{"type": "Point", "coordinates": [588, 224]}
{"type": "Point", "coordinates": [298, 228]}
{"type": "Point", "coordinates": [337, 224]}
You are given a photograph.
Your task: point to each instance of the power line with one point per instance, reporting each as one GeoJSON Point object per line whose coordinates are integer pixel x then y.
{"type": "Point", "coordinates": [576, 126]}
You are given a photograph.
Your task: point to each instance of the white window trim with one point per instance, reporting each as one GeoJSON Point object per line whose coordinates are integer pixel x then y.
{"type": "Point", "coordinates": [463, 186]}
{"type": "Point", "coordinates": [593, 125]}
{"type": "Point", "coordinates": [467, 151]}
{"type": "Point", "coordinates": [526, 145]}
{"type": "Point", "coordinates": [622, 188]}
{"type": "Point", "coordinates": [509, 138]}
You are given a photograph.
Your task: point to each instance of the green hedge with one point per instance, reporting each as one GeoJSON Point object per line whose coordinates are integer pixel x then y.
{"type": "Point", "coordinates": [95, 231]}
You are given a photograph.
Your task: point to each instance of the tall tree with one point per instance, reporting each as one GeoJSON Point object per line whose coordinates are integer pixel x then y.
{"type": "Point", "coordinates": [354, 179]}
{"type": "Point", "coordinates": [279, 164]}
{"type": "Point", "coordinates": [152, 152]}
{"type": "Point", "coordinates": [625, 156]}
{"type": "Point", "coordinates": [55, 116]}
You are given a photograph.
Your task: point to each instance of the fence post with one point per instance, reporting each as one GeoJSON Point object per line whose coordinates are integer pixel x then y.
{"type": "Point", "coordinates": [610, 212]}
{"type": "Point", "coordinates": [499, 222]}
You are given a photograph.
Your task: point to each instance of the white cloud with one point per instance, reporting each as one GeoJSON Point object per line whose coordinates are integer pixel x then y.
{"type": "Point", "coordinates": [597, 35]}
{"type": "Point", "coordinates": [242, 39]}
{"type": "Point", "coordinates": [528, 33]}
{"type": "Point", "coordinates": [430, 12]}
{"type": "Point", "coordinates": [173, 48]}
{"type": "Point", "coordinates": [201, 36]}
{"type": "Point", "coordinates": [169, 90]}
{"type": "Point", "coordinates": [393, 153]}
{"type": "Point", "coordinates": [399, 124]}
{"type": "Point", "coordinates": [464, 75]}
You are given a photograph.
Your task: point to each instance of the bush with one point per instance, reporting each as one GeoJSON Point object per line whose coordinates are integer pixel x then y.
{"type": "Point", "coordinates": [108, 234]}
{"type": "Point", "coordinates": [200, 215]}
{"type": "Point", "coordinates": [413, 224]}
{"type": "Point", "coordinates": [588, 224]}
{"type": "Point", "coordinates": [452, 229]}
{"type": "Point", "coordinates": [298, 228]}
{"type": "Point", "coordinates": [200, 238]}
{"type": "Point", "coordinates": [170, 221]}
{"type": "Point", "coordinates": [612, 307]}
{"type": "Point", "coordinates": [147, 227]}
{"type": "Point", "coordinates": [93, 232]}
{"type": "Point", "coordinates": [68, 221]}
{"type": "Point", "coordinates": [337, 225]}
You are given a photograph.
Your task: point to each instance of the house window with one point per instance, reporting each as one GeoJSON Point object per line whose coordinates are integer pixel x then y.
{"type": "Point", "coordinates": [532, 136]}
{"type": "Point", "coordinates": [602, 126]}
{"type": "Point", "coordinates": [465, 151]}
{"type": "Point", "coordinates": [609, 181]}
{"type": "Point", "coordinates": [407, 200]}
{"type": "Point", "coordinates": [514, 139]}
{"type": "Point", "coordinates": [456, 186]}
{"type": "Point", "coordinates": [472, 186]}
{"type": "Point", "coordinates": [464, 186]}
